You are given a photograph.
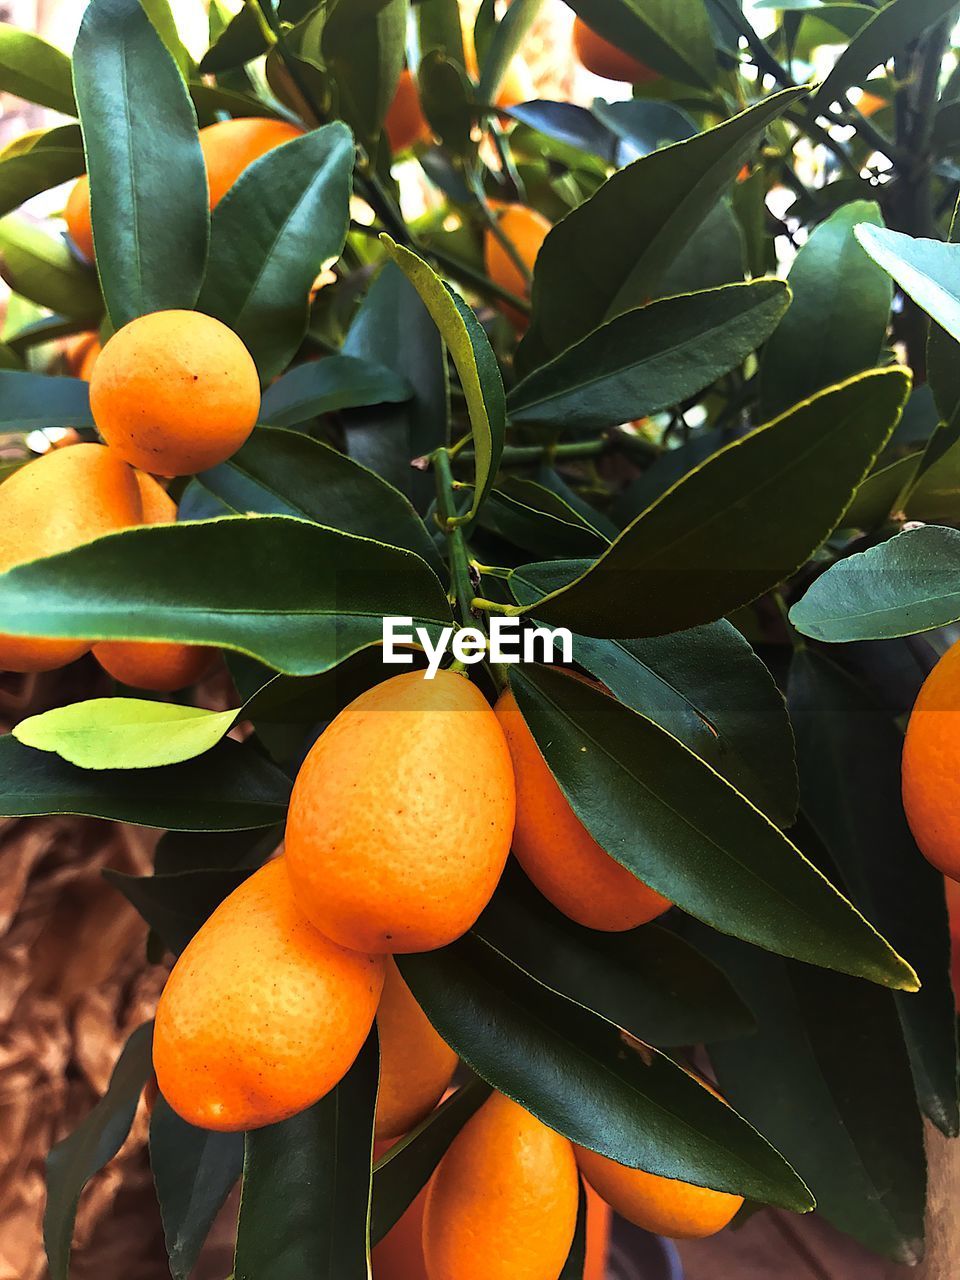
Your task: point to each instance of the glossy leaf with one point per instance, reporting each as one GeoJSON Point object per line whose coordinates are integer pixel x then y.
{"type": "Point", "coordinates": [718, 539]}
{"type": "Point", "coordinates": [175, 905]}
{"type": "Point", "coordinates": [38, 162]}
{"type": "Point", "coordinates": [646, 980]}
{"type": "Point", "coordinates": [232, 788]}
{"type": "Point", "coordinates": [323, 386]}
{"type": "Point", "coordinates": [671, 36]}
{"type": "Point", "coordinates": [572, 1070]}
{"type": "Point", "coordinates": [280, 223]}
{"type": "Point", "coordinates": [241, 40]}
{"type": "Point", "coordinates": [305, 1209]}
{"type": "Point", "coordinates": [608, 255]}
{"type": "Point", "coordinates": [41, 268]}
{"type": "Point", "coordinates": [148, 182]}
{"type": "Point", "coordinates": [838, 317]}
{"type": "Point", "coordinates": [363, 46]}
{"type": "Point", "coordinates": [285, 473]}
{"type": "Point", "coordinates": [676, 824]}
{"type": "Point", "coordinates": [292, 594]}
{"type": "Point", "coordinates": [908, 584]}
{"type": "Point", "coordinates": [476, 365]}
{"type": "Point", "coordinates": [194, 1171]}
{"type": "Point", "coordinates": [74, 1160]}
{"type": "Point", "coordinates": [540, 532]}
{"type": "Point", "coordinates": [849, 748]}
{"type": "Point", "coordinates": [927, 270]}
{"type": "Point", "coordinates": [34, 70]}
{"type": "Point", "coordinates": [124, 733]}
{"type": "Point", "coordinates": [650, 358]}
{"type": "Point", "coordinates": [29, 400]}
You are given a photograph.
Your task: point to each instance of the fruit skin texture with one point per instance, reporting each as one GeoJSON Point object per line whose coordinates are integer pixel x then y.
{"type": "Point", "coordinates": [556, 850]}
{"type": "Point", "coordinates": [605, 59]}
{"type": "Point", "coordinates": [80, 354]}
{"type": "Point", "coordinates": [502, 1203]}
{"type": "Point", "coordinates": [262, 1015]}
{"type": "Point", "coordinates": [175, 392]}
{"type": "Point", "coordinates": [76, 214]}
{"type": "Point", "coordinates": [405, 123]}
{"type": "Point", "coordinates": [230, 146]}
{"type": "Point", "coordinates": [665, 1206]}
{"type": "Point", "coordinates": [526, 229]}
{"type": "Point", "coordinates": [931, 766]}
{"type": "Point", "coordinates": [416, 1065]}
{"type": "Point", "coordinates": [154, 664]}
{"type": "Point", "coordinates": [56, 502]}
{"type": "Point", "coordinates": [401, 816]}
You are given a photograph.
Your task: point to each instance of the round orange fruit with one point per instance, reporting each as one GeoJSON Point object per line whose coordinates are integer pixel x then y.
{"type": "Point", "coordinates": [416, 1065]}
{"type": "Point", "coordinates": [502, 1203]}
{"type": "Point", "coordinates": [76, 214]}
{"type": "Point", "coordinates": [605, 59]}
{"type": "Point", "coordinates": [931, 766]}
{"type": "Point", "coordinates": [526, 229]}
{"type": "Point", "coordinates": [405, 123]}
{"type": "Point", "coordinates": [401, 815]}
{"type": "Point", "coordinates": [175, 392]}
{"type": "Point", "coordinates": [556, 850]}
{"type": "Point", "coordinates": [262, 1015]}
{"type": "Point", "coordinates": [231, 145]}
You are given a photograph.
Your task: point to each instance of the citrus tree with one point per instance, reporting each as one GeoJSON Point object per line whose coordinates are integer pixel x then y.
{"type": "Point", "coordinates": [640, 373]}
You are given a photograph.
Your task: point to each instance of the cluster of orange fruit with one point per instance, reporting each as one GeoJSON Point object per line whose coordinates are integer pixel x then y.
{"type": "Point", "coordinates": [400, 823]}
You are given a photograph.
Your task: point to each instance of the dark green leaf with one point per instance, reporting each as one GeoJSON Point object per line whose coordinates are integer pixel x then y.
{"type": "Point", "coordinates": [29, 400]}
{"type": "Point", "coordinates": [848, 748]}
{"type": "Point", "coordinates": [324, 386]}
{"type": "Point", "coordinates": [305, 1209]}
{"type": "Point", "coordinates": [713, 255]}
{"type": "Point", "coordinates": [294, 595]}
{"type": "Point", "coordinates": [838, 318]}
{"type": "Point", "coordinates": [38, 162]}
{"type": "Point", "coordinates": [506, 41]}
{"type": "Point", "coordinates": [539, 532]}
{"type": "Point", "coordinates": [670, 36]}
{"type": "Point", "coordinates": [281, 221]}
{"type": "Point", "coordinates": [608, 255]}
{"type": "Point", "coordinates": [572, 1070]}
{"type": "Point", "coordinates": [194, 1171]}
{"type": "Point", "coordinates": [73, 1161]}
{"type": "Point", "coordinates": [910, 583]}
{"type": "Point", "coordinates": [148, 183]}
{"type": "Point", "coordinates": [666, 816]}
{"type": "Point", "coordinates": [718, 539]}
{"type": "Point", "coordinates": [241, 40]}
{"type": "Point", "coordinates": [651, 358]}
{"type": "Point", "coordinates": [363, 45]}
{"type": "Point", "coordinates": [34, 70]}
{"type": "Point", "coordinates": [176, 905]}
{"type": "Point", "coordinates": [41, 268]}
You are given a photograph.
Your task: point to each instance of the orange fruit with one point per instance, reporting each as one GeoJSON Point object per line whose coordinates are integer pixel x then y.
{"type": "Point", "coordinates": [231, 145]}
{"type": "Point", "coordinates": [401, 815]}
{"type": "Point", "coordinates": [556, 850]}
{"type": "Point", "coordinates": [931, 766]}
{"type": "Point", "coordinates": [175, 392]}
{"type": "Point", "coordinates": [405, 123]}
{"type": "Point", "coordinates": [76, 350]}
{"type": "Point", "coordinates": [517, 83]}
{"type": "Point", "coordinates": [90, 358]}
{"type": "Point", "coordinates": [399, 1255]}
{"type": "Point", "coordinates": [665, 1206]}
{"type": "Point", "coordinates": [526, 230]}
{"type": "Point", "coordinates": [869, 104]}
{"type": "Point", "coordinates": [56, 502]}
{"type": "Point", "coordinates": [953, 914]}
{"type": "Point", "coordinates": [77, 217]}
{"type": "Point", "coordinates": [502, 1203]}
{"type": "Point", "coordinates": [154, 664]}
{"type": "Point", "coordinates": [605, 59]}
{"type": "Point", "coordinates": [416, 1065]}
{"type": "Point", "coordinates": [262, 1015]}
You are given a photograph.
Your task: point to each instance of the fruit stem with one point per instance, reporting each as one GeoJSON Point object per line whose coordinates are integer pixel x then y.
{"type": "Point", "coordinates": [268, 33]}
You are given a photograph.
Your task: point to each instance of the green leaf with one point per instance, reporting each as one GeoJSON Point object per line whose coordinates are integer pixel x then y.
{"type": "Point", "coordinates": [849, 747]}
{"type": "Point", "coordinates": [446, 98]}
{"type": "Point", "coordinates": [927, 270]}
{"type": "Point", "coordinates": [241, 41]}
{"type": "Point", "coordinates": [29, 400]}
{"type": "Point", "coordinates": [577, 1257]}
{"type": "Point", "coordinates": [646, 980]}
{"type": "Point", "coordinates": [888, 32]}
{"type": "Point", "coordinates": [234, 787]}
{"type": "Point", "coordinates": [292, 594]}
{"type": "Point", "coordinates": [394, 328]}
{"type": "Point", "coordinates": [148, 183]}
{"type": "Point", "coordinates": [124, 733]}
{"type": "Point", "coordinates": [506, 41]}
{"type": "Point", "coordinates": [363, 45]}
{"type": "Point", "coordinates": [34, 70]}
{"type": "Point", "coordinates": [74, 1160]}
{"type": "Point", "coordinates": [681, 828]}
{"type": "Point", "coordinates": [718, 539]}
{"type": "Point", "coordinates": [541, 532]}
{"type": "Point", "coordinates": [165, 24]}
{"type": "Point", "coordinates": [194, 1171]}
{"type": "Point", "coordinates": [571, 1069]}
{"type": "Point", "coordinates": [670, 36]}
{"type": "Point", "coordinates": [305, 1209]}
{"type": "Point", "coordinates": [402, 1172]}
{"type": "Point", "coordinates": [285, 473]}
{"type": "Point", "coordinates": [838, 318]}
{"type": "Point", "coordinates": [176, 905]}
{"type": "Point", "coordinates": [608, 255]}
{"type": "Point", "coordinates": [651, 358]}
{"type": "Point", "coordinates": [37, 163]}
{"type": "Point", "coordinates": [281, 222]}
{"type": "Point", "coordinates": [438, 27]}
{"type": "Point", "coordinates": [833, 1047]}
{"type": "Point", "coordinates": [324, 386]}
{"type": "Point", "coordinates": [942, 362]}
{"type": "Point", "coordinates": [42, 268]}
{"type": "Point", "coordinates": [475, 362]}
{"type": "Point", "coordinates": [908, 584]}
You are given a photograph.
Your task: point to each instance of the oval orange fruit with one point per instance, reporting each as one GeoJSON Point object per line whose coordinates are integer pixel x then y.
{"type": "Point", "coordinates": [76, 214]}
{"type": "Point", "coordinates": [401, 815]}
{"type": "Point", "coordinates": [262, 1015]}
{"type": "Point", "coordinates": [416, 1065]}
{"type": "Point", "coordinates": [931, 766]}
{"type": "Point", "coordinates": [231, 145]}
{"type": "Point", "coordinates": [405, 123]}
{"type": "Point", "coordinates": [556, 850]}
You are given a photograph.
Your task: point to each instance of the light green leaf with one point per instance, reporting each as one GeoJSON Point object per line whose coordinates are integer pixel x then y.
{"type": "Point", "coordinates": [38, 162]}
{"type": "Point", "coordinates": [34, 70]}
{"type": "Point", "coordinates": [927, 270]}
{"type": "Point", "coordinates": [42, 268]}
